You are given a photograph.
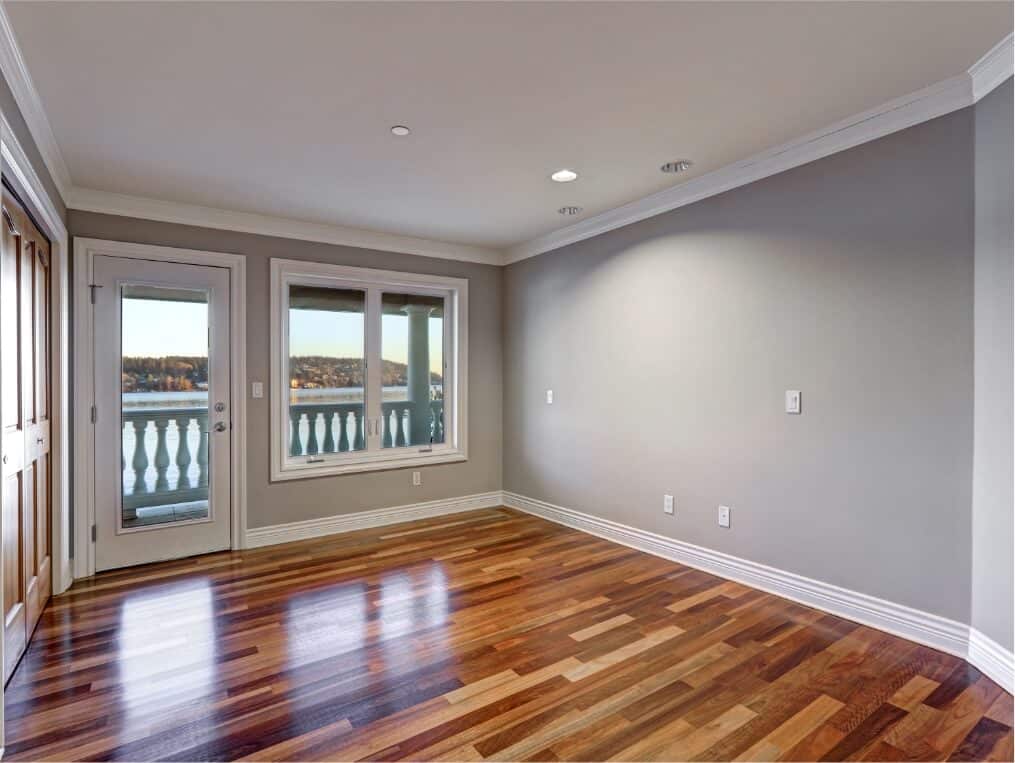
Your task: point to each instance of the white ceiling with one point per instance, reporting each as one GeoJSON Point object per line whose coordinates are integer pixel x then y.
{"type": "Point", "coordinates": [284, 109]}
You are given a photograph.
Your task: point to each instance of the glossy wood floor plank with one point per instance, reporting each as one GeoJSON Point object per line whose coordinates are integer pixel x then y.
{"type": "Point", "coordinates": [490, 635]}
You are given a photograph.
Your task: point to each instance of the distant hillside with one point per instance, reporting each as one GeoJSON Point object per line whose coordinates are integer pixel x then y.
{"type": "Point", "coordinates": [178, 373]}
{"type": "Point", "coordinates": [175, 373]}
{"type": "Point", "coordinates": [316, 371]}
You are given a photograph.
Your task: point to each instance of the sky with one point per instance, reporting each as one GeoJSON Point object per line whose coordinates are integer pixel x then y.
{"type": "Point", "coordinates": [321, 332]}
{"type": "Point", "coordinates": [157, 329]}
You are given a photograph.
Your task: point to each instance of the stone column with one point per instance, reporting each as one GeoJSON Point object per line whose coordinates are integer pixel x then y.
{"type": "Point", "coordinates": [419, 373]}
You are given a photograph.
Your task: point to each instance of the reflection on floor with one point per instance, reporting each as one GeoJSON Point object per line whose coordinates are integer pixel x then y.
{"type": "Point", "coordinates": [174, 512]}
{"type": "Point", "coordinates": [483, 635]}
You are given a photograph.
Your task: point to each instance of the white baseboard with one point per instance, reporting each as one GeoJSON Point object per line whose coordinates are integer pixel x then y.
{"type": "Point", "coordinates": [992, 659]}
{"type": "Point", "coordinates": [361, 520]}
{"type": "Point", "coordinates": [922, 627]}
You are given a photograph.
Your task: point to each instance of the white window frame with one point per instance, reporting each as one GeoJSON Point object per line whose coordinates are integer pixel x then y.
{"type": "Point", "coordinates": [372, 281]}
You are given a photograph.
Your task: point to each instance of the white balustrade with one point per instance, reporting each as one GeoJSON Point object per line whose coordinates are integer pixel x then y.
{"type": "Point", "coordinates": [313, 426]}
{"type": "Point", "coordinates": [141, 488]}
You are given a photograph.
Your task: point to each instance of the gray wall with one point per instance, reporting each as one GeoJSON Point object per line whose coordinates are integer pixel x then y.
{"type": "Point", "coordinates": [10, 110]}
{"type": "Point", "coordinates": [295, 500]}
{"type": "Point", "coordinates": [993, 421]}
{"type": "Point", "coordinates": [669, 344]}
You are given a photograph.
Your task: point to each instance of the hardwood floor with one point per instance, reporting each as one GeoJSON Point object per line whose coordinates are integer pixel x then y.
{"type": "Point", "coordinates": [490, 634]}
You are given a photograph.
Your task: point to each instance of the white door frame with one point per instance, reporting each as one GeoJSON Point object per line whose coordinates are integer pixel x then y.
{"type": "Point", "coordinates": [85, 251]}
{"type": "Point", "coordinates": [47, 215]}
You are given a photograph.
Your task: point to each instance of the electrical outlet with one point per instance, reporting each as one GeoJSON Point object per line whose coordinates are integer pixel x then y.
{"type": "Point", "coordinates": [417, 478]}
{"type": "Point", "coordinates": [668, 504]}
{"type": "Point", "coordinates": [724, 516]}
{"type": "Point", "coordinates": [549, 397]}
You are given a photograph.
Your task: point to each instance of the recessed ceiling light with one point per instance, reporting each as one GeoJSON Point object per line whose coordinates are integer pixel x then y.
{"type": "Point", "coordinates": [569, 210]}
{"type": "Point", "coordinates": [400, 130]}
{"type": "Point", "coordinates": [564, 176]}
{"type": "Point", "coordinates": [679, 165]}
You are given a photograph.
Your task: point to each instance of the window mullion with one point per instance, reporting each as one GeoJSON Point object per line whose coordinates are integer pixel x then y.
{"type": "Point", "coordinates": [373, 381]}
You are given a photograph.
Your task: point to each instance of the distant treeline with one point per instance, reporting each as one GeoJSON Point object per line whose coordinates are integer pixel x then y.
{"type": "Point", "coordinates": [178, 373]}
{"type": "Point", "coordinates": [174, 373]}
{"type": "Point", "coordinates": [320, 371]}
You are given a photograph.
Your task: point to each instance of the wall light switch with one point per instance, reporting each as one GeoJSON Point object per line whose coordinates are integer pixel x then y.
{"type": "Point", "coordinates": [549, 397]}
{"type": "Point", "coordinates": [257, 389]}
{"type": "Point", "coordinates": [724, 516]}
{"type": "Point", "coordinates": [792, 401]}
{"type": "Point", "coordinates": [417, 478]}
{"type": "Point", "coordinates": [668, 504]}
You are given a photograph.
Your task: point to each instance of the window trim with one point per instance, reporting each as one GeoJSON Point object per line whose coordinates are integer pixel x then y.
{"type": "Point", "coordinates": [373, 281]}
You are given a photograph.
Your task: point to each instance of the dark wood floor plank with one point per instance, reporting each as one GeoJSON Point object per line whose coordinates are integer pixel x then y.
{"type": "Point", "coordinates": [483, 635]}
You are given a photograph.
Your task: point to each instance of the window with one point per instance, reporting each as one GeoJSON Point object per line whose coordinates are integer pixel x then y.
{"type": "Point", "coordinates": [368, 369]}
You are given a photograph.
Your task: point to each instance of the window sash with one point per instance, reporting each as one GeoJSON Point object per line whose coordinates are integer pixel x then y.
{"type": "Point", "coordinates": [452, 291]}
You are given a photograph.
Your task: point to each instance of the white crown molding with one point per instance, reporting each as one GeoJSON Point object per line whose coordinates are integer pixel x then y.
{"type": "Point", "coordinates": [89, 200]}
{"type": "Point", "coordinates": [928, 103]}
{"type": "Point", "coordinates": [923, 627]}
{"type": "Point", "coordinates": [992, 659]}
{"type": "Point", "coordinates": [993, 68]}
{"type": "Point", "coordinates": [15, 71]}
{"type": "Point", "coordinates": [361, 520]}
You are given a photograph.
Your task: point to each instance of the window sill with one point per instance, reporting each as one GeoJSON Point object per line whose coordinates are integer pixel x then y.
{"type": "Point", "coordinates": [298, 471]}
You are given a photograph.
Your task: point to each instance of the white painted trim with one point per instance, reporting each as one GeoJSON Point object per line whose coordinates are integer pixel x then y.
{"type": "Point", "coordinates": [360, 520]}
{"type": "Point", "coordinates": [993, 68]}
{"type": "Point", "coordinates": [89, 200]}
{"type": "Point", "coordinates": [996, 662]}
{"type": "Point", "coordinates": [455, 291]}
{"type": "Point", "coordinates": [924, 628]}
{"type": "Point", "coordinates": [15, 71]}
{"type": "Point", "coordinates": [85, 251]}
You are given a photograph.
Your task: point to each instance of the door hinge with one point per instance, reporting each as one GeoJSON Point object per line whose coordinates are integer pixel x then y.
{"type": "Point", "coordinates": [93, 533]}
{"type": "Point", "coordinates": [95, 414]}
{"type": "Point", "coordinates": [93, 287]}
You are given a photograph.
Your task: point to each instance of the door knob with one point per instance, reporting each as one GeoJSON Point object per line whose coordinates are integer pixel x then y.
{"type": "Point", "coordinates": [220, 427]}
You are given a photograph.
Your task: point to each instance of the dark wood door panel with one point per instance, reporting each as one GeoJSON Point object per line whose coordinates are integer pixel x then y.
{"type": "Point", "coordinates": [25, 405]}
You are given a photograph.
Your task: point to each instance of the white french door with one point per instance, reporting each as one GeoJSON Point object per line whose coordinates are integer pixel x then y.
{"type": "Point", "coordinates": [163, 410]}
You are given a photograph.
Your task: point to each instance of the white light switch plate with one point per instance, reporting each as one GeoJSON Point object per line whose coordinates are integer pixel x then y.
{"type": "Point", "coordinates": [417, 478]}
{"type": "Point", "coordinates": [724, 516]}
{"type": "Point", "coordinates": [257, 389]}
{"type": "Point", "coordinates": [792, 401]}
{"type": "Point", "coordinates": [549, 397]}
{"type": "Point", "coordinates": [668, 504]}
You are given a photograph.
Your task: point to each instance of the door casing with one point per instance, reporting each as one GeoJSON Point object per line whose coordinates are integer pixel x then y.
{"type": "Point", "coordinates": [85, 251]}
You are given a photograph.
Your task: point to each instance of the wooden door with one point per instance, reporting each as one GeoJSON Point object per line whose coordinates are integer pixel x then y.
{"type": "Point", "coordinates": [25, 401]}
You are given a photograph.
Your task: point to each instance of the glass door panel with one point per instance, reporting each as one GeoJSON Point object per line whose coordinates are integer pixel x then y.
{"type": "Point", "coordinates": [163, 405]}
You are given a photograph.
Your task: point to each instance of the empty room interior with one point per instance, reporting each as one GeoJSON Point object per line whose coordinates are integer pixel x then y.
{"type": "Point", "coordinates": [507, 381]}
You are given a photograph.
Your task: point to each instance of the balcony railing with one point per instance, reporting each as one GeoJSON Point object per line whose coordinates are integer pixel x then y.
{"type": "Point", "coordinates": [164, 459]}
{"type": "Point", "coordinates": [316, 428]}
{"type": "Point", "coordinates": [174, 429]}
